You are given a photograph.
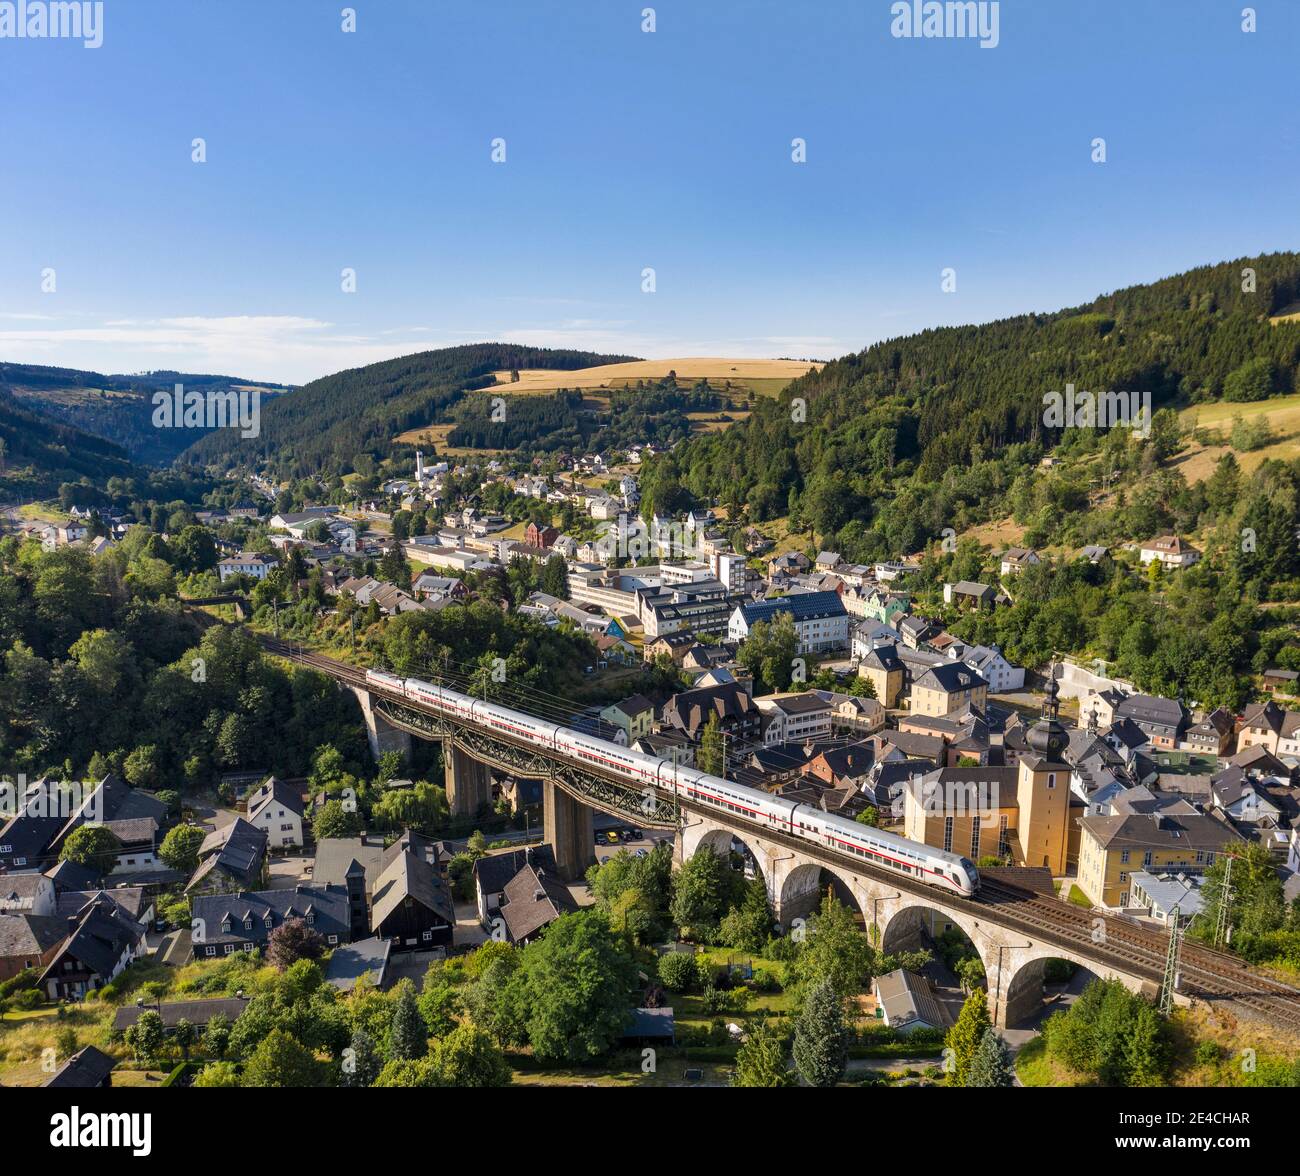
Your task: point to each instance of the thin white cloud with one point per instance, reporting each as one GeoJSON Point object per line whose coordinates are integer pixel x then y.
{"type": "Point", "coordinates": [296, 348]}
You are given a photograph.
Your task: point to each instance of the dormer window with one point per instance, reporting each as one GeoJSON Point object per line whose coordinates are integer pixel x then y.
{"type": "Point", "coordinates": [310, 919]}
{"type": "Point", "coordinates": [248, 923]}
{"type": "Point", "coordinates": [225, 926]}
{"type": "Point", "coordinates": [267, 921]}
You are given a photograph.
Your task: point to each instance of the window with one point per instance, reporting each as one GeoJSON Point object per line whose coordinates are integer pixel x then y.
{"type": "Point", "coordinates": [248, 923]}
{"type": "Point", "coordinates": [1051, 779]}
{"type": "Point", "coordinates": [1146, 858]}
{"type": "Point", "coordinates": [22, 861]}
{"type": "Point", "coordinates": [1123, 857]}
{"type": "Point", "coordinates": [1002, 836]}
{"type": "Point", "coordinates": [332, 939]}
{"type": "Point", "coordinates": [210, 951]}
{"type": "Point", "coordinates": [428, 934]}
{"type": "Point", "coordinates": [975, 839]}
{"type": "Point", "coordinates": [229, 948]}
{"type": "Point", "coordinates": [947, 835]}
{"type": "Point", "coordinates": [248, 947]}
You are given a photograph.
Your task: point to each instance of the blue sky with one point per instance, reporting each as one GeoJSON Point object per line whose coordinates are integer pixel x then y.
{"type": "Point", "coordinates": [624, 150]}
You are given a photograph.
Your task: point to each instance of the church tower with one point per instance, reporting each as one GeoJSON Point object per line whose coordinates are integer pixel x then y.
{"type": "Point", "coordinates": [1043, 790]}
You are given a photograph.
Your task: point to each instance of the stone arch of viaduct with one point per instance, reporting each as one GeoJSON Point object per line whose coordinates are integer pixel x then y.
{"type": "Point", "coordinates": [1013, 961]}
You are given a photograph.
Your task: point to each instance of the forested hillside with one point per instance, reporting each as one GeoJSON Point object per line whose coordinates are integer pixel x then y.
{"type": "Point", "coordinates": [324, 426]}
{"type": "Point", "coordinates": [567, 421]}
{"type": "Point", "coordinates": [116, 408]}
{"type": "Point", "coordinates": [932, 431]}
{"type": "Point", "coordinates": [37, 455]}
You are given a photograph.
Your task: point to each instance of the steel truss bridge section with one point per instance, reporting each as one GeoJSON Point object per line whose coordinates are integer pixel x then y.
{"type": "Point", "coordinates": [645, 806]}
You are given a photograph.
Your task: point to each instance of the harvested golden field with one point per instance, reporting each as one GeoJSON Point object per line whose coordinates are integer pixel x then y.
{"type": "Point", "coordinates": [1197, 461]}
{"type": "Point", "coordinates": [748, 377]}
{"type": "Point", "coordinates": [764, 377]}
{"type": "Point", "coordinates": [436, 435]}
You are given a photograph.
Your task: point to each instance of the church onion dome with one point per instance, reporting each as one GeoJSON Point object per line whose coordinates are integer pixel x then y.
{"type": "Point", "coordinates": [1047, 737]}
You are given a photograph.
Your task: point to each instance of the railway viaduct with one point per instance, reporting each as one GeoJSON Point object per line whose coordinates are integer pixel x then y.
{"type": "Point", "coordinates": [1014, 932]}
{"type": "Point", "coordinates": [897, 917]}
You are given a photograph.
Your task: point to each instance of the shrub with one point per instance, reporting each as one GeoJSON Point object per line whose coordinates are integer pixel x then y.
{"type": "Point", "coordinates": [677, 971]}
{"type": "Point", "coordinates": [1208, 1053]}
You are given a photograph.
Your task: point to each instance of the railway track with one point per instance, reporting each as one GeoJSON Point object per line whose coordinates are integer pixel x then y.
{"type": "Point", "coordinates": [1210, 975]}
{"type": "Point", "coordinates": [1206, 974]}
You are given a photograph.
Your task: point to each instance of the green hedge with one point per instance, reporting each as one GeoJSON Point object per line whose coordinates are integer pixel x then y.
{"type": "Point", "coordinates": [186, 1070]}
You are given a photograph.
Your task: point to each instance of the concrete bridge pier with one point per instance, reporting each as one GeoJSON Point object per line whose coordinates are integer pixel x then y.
{"type": "Point", "coordinates": [568, 830]}
{"type": "Point", "coordinates": [380, 733]}
{"type": "Point", "coordinates": [468, 782]}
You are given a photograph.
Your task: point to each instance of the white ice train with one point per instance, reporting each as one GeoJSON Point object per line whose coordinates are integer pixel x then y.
{"type": "Point", "coordinates": [948, 871]}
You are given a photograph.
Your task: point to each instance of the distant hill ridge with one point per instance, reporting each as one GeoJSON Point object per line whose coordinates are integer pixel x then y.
{"type": "Point", "coordinates": [118, 408]}
{"type": "Point", "coordinates": [322, 427]}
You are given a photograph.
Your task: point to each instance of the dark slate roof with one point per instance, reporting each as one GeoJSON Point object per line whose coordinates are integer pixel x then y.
{"type": "Point", "coordinates": [425, 848]}
{"type": "Point", "coordinates": [238, 850]}
{"type": "Point", "coordinates": [131, 899]}
{"type": "Point", "coordinates": [172, 1012]}
{"type": "Point", "coordinates": [276, 791]}
{"type": "Point", "coordinates": [534, 899]}
{"type": "Point", "coordinates": [335, 856]}
{"type": "Point", "coordinates": [950, 677]}
{"type": "Point", "coordinates": [407, 875]}
{"type": "Point", "coordinates": [908, 997]}
{"type": "Point", "coordinates": [494, 870]}
{"type": "Point", "coordinates": [1151, 710]}
{"type": "Point", "coordinates": [99, 939]}
{"type": "Point", "coordinates": [328, 906]}
{"type": "Point", "coordinates": [86, 1069]}
{"type": "Point", "coordinates": [982, 789]}
{"type": "Point", "coordinates": [802, 606]}
{"type": "Point", "coordinates": [1127, 732]}
{"type": "Point", "coordinates": [19, 891]}
{"type": "Point", "coordinates": [31, 830]}
{"type": "Point", "coordinates": [633, 706]}
{"type": "Point", "coordinates": [68, 875]}
{"type": "Point", "coordinates": [914, 746]}
{"type": "Point", "coordinates": [366, 958]}
{"type": "Point", "coordinates": [113, 800]}
{"type": "Point", "coordinates": [854, 759]}
{"type": "Point", "coordinates": [883, 657]}
{"type": "Point", "coordinates": [1161, 831]}
{"type": "Point", "coordinates": [26, 936]}
{"type": "Point", "coordinates": [690, 709]}
{"type": "Point", "coordinates": [133, 830]}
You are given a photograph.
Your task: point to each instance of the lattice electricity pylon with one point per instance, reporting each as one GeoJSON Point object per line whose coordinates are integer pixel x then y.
{"type": "Point", "coordinates": [1171, 962]}
{"type": "Point", "coordinates": [1225, 902]}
